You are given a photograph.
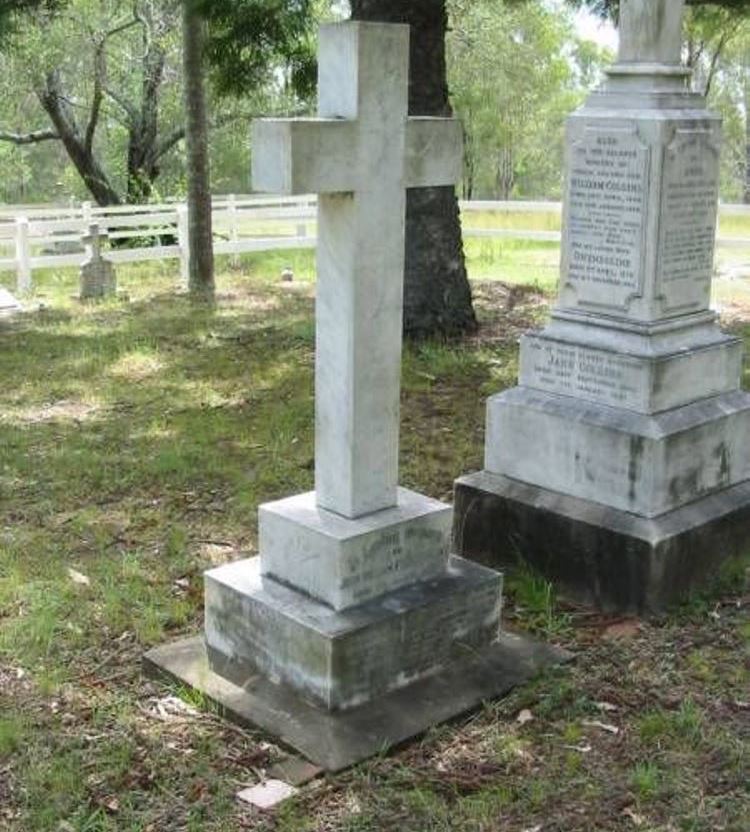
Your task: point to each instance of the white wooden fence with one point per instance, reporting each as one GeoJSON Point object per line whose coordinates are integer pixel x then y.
{"type": "Point", "coordinates": [51, 237]}
{"type": "Point", "coordinates": [47, 237]}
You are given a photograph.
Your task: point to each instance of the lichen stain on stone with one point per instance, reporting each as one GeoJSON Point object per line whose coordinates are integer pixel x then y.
{"type": "Point", "coordinates": [685, 486]}
{"type": "Point", "coordinates": [637, 445]}
{"type": "Point", "coordinates": [725, 466]}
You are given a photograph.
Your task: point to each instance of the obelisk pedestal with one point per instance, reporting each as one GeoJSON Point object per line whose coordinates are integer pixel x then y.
{"type": "Point", "coordinates": [620, 465]}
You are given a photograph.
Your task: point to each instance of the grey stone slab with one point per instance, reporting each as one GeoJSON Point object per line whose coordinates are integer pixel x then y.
{"type": "Point", "coordinates": [642, 377]}
{"type": "Point", "coordinates": [342, 659]}
{"type": "Point", "coordinates": [596, 554]}
{"type": "Point", "coordinates": [345, 562]}
{"type": "Point", "coordinates": [336, 741]}
{"type": "Point", "coordinates": [647, 465]}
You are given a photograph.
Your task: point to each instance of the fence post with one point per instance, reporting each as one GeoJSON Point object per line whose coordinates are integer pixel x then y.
{"type": "Point", "coordinates": [86, 208]}
{"type": "Point", "coordinates": [23, 256]}
{"type": "Point", "coordinates": [234, 232]}
{"type": "Point", "coordinates": [183, 240]}
{"type": "Point", "coordinates": [302, 230]}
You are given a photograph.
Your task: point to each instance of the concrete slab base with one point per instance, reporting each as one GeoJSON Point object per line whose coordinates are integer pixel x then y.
{"type": "Point", "coordinates": [337, 740]}
{"type": "Point", "coordinates": [598, 555]}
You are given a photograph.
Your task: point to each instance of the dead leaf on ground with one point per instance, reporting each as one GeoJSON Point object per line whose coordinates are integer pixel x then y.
{"type": "Point", "coordinates": [79, 578]}
{"type": "Point", "coordinates": [524, 717]}
{"type": "Point", "coordinates": [602, 726]}
{"type": "Point", "coordinates": [622, 630]}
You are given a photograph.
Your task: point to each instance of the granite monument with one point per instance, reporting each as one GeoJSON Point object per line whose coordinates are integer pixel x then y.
{"type": "Point", "coordinates": [620, 465]}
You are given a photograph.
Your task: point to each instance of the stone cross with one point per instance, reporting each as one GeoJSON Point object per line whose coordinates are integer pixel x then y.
{"type": "Point", "coordinates": [651, 31]}
{"type": "Point", "coordinates": [359, 156]}
{"type": "Point", "coordinates": [94, 240]}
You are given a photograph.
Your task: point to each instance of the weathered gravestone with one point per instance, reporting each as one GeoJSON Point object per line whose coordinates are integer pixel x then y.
{"type": "Point", "coordinates": [355, 628]}
{"type": "Point", "coordinates": [98, 278]}
{"type": "Point", "coordinates": [620, 465]}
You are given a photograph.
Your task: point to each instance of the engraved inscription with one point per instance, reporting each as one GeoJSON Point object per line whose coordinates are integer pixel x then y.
{"type": "Point", "coordinates": [393, 558]}
{"type": "Point", "coordinates": [690, 197]}
{"type": "Point", "coordinates": [583, 372]}
{"type": "Point", "coordinates": [606, 218]}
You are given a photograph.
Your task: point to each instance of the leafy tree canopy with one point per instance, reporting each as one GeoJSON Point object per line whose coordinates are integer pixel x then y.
{"type": "Point", "coordinates": [9, 9]}
{"type": "Point", "coordinates": [248, 37]}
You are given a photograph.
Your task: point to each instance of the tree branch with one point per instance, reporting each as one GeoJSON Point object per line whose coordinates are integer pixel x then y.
{"type": "Point", "coordinates": [100, 79]}
{"type": "Point", "coordinates": [29, 138]}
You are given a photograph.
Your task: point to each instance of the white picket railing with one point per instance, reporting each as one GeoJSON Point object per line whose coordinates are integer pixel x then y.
{"type": "Point", "coordinates": [51, 237]}
{"type": "Point", "coordinates": [47, 237]}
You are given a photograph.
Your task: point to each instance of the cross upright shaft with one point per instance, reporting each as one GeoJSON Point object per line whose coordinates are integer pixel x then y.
{"type": "Point", "coordinates": [651, 31]}
{"type": "Point", "coordinates": [359, 156]}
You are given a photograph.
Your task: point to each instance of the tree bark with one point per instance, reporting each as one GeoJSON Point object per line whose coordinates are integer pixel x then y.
{"type": "Point", "coordinates": [66, 127]}
{"type": "Point", "coordinates": [201, 281]}
{"type": "Point", "coordinates": [437, 295]}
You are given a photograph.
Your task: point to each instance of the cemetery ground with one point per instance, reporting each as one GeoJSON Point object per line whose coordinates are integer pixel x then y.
{"type": "Point", "coordinates": [137, 437]}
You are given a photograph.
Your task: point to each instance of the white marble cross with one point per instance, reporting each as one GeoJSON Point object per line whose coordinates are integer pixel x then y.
{"type": "Point", "coordinates": [360, 156]}
{"type": "Point", "coordinates": [651, 31]}
{"type": "Point", "coordinates": [94, 240]}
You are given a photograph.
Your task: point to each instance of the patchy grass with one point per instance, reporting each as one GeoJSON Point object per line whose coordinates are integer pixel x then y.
{"type": "Point", "coordinates": [137, 438]}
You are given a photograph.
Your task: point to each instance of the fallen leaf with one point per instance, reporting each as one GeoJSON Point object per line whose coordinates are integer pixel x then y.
{"type": "Point", "coordinates": [622, 630]}
{"type": "Point", "coordinates": [603, 726]}
{"type": "Point", "coordinates": [581, 749]}
{"type": "Point", "coordinates": [111, 804]}
{"type": "Point", "coordinates": [524, 717]}
{"type": "Point", "coordinates": [79, 578]}
{"type": "Point", "coordinates": [607, 707]}
{"type": "Point", "coordinates": [637, 819]}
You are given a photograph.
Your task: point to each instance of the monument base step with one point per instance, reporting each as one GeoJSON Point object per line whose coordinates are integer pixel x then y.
{"type": "Point", "coordinates": [647, 465]}
{"type": "Point", "coordinates": [345, 562]}
{"type": "Point", "coordinates": [338, 740]}
{"type": "Point", "coordinates": [341, 659]}
{"type": "Point", "coordinates": [598, 555]}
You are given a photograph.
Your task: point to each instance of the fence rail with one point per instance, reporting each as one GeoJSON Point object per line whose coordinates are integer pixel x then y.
{"type": "Point", "coordinates": [34, 238]}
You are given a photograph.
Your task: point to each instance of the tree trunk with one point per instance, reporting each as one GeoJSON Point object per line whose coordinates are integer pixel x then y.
{"type": "Point", "coordinates": [61, 115]}
{"type": "Point", "coordinates": [437, 295]}
{"type": "Point", "coordinates": [201, 282]}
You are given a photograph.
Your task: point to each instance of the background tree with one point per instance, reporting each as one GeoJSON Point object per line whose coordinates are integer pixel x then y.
{"type": "Point", "coordinates": [437, 296]}
{"type": "Point", "coordinates": [516, 71]}
{"type": "Point", "coordinates": [199, 203]}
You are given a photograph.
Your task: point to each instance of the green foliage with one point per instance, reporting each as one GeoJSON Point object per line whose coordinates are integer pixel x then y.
{"type": "Point", "coordinates": [515, 71]}
{"type": "Point", "coordinates": [249, 38]}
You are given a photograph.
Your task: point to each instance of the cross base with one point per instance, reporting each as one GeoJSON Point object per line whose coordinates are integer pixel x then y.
{"type": "Point", "coordinates": [338, 740]}
{"type": "Point", "coordinates": [340, 660]}
{"type": "Point", "coordinates": [345, 562]}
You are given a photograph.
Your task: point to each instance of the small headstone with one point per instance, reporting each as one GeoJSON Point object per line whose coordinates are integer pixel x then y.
{"type": "Point", "coordinates": [98, 278]}
{"type": "Point", "coordinates": [8, 304]}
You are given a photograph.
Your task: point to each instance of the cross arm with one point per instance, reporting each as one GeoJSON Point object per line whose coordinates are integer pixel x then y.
{"type": "Point", "coordinates": [304, 156]}
{"type": "Point", "coordinates": [434, 152]}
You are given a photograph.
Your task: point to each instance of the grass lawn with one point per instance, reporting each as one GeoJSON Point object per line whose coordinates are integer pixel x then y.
{"type": "Point", "coordinates": [137, 438]}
